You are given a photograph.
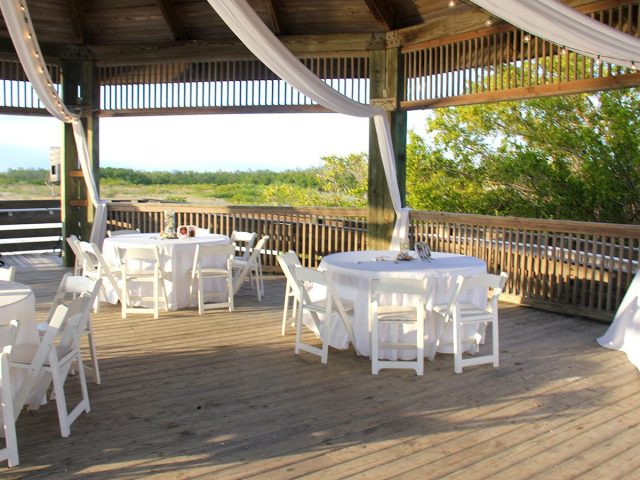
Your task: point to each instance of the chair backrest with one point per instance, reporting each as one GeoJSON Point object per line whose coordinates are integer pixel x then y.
{"type": "Point", "coordinates": [73, 285]}
{"type": "Point", "coordinates": [253, 259]}
{"type": "Point", "coordinates": [213, 250]}
{"type": "Point", "coordinates": [407, 286]}
{"type": "Point", "coordinates": [74, 244]}
{"type": "Point", "coordinates": [494, 284]}
{"type": "Point", "coordinates": [131, 256]}
{"type": "Point", "coordinates": [246, 240]}
{"type": "Point", "coordinates": [8, 273]}
{"type": "Point", "coordinates": [96, 266]}
{"type": "Point", "coordinates": [117, 233]}
{"type": "Point", "coordinates": [201, 232]}
{"type": "Point", "coordinates": [77, 317]}
{"type": "Point", "coordinates": [289, 261]}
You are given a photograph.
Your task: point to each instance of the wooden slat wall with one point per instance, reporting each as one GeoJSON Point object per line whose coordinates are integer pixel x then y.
{"type": "Point", "coordinates": [221, 84]}
{"type": "Point", "coordinates": [16, 93]}
{"type": "Point", "coordinates": [572, 267]}
{"type": "Point", "coordinates": [504, 59]}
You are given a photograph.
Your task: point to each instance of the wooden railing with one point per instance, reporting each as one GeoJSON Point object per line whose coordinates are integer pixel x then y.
{"type": "Point", "coordinates": [310, 232]}
{"type": "Point", "coordinates": [30, 225]}
{"type": "Point", "coordinates": [572, 267]}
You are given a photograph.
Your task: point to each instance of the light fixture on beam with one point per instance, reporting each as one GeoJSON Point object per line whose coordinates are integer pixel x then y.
{"type": "Point", "coordinates": [488, 22]}
{"type": "Point", "coordinates": [452, 3]}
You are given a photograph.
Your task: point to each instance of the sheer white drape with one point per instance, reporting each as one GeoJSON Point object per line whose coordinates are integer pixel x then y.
{"type": "Point", "coordinates": [561, 24]}
{"type": "Point", "coordinates": [250, 29]}
{"type": "Point", "coordinates": [624, 332]}
{"type": "Point", "coordinates": [16, 16]}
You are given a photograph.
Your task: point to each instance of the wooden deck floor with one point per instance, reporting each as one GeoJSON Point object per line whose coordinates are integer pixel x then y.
{"type": "Point", "coordinates": [223, 396]}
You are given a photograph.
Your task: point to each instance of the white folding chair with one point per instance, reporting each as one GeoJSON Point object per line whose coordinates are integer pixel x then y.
{"type": "Point", "coordinates": [382, 311]}
{"type": "Point", "coordinates": [463, 314]}
{"type": "Point", "coordinates": [201, 271]}
{"type": "Point", "coordinates": [141, 265]}
{"type": "Point", "coordinates": [252, 266]}
{"type": "Point", "coordinates": [245, 242]}
{"type": "Point", "coordinates": [56, 355]}
{"type": "Point", "coordinates": [10, 450]}
{"type": "Point", "coordinates": [95, 267]}
{"type": "Point", "coordinates": [117, 233]}
{"type": "Point", "coordinates": [8, 274]}
{"type": "Point", "coordinates": [328, 306]}
{"type": "Point", "coordinates": [72, 286]}
{"type": "Point", "coordinates": [288, 262]}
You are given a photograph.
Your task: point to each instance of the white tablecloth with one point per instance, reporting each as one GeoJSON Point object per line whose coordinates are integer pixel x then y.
{"type": "Point", "coordinates": [17, 302]}
{"type": "Point", "coordinates": [351, 271]}
{"type": "Point", "coordinates": [176, 257]}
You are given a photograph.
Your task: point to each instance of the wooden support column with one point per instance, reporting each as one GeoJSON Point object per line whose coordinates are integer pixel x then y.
{"type": "Point", "coordinates": [386, 91]}
{"type": "Point", "coordinates": [81, 95]}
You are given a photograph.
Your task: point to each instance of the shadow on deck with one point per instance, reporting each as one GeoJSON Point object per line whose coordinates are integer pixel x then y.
{"type": "Point", "coordinates": [223, 396]}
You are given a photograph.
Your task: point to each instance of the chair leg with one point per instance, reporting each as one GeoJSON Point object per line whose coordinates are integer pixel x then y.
{"type": "Point", "coordinates": [324, 336]}
{"type": "Point", "coordinates": [230, 292]}
{"type": "Point", "coordinates": [457, 346]}
{"type": "Point", "coordinates": [94, 355]}
{"type": "Point", "coordinates": [61, 404]}
{"type": "Point", "coordinates": [156, 298]}
{"type": "Point", "coordinates": [496, 344]}
{"type": "Point", "coordinates": [200, 296]}
{"type": "Point", "coordinates": [375, 366]}
{"type": "Point", "coordinates": [9, 425]}
{"type": "Point", "coordinates": [420, 340]}
{"type": "Point", "coordinates": [298, 332]}
{"type": "Point", "coordinates": [285, 310]}
{"type": "Point", "coordinates": [125, 297]}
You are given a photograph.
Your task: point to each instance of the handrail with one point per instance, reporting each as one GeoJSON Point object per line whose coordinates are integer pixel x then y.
{"type": "Point", "coordinates": [579, 268]}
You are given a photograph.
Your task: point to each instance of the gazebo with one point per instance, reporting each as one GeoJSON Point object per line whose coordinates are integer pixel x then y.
{"type": "Point", "coordinates": [218, 397]}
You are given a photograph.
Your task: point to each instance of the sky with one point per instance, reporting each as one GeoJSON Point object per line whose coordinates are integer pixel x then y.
{"type": "Point", "coordinates": [198, 142]}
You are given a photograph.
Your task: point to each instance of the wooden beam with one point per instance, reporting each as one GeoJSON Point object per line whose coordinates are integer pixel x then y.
{"type": "Point", "coordinates": [383, 12]}
{"type": "Point", "coordinates": [172, 18]}
{"type": "Point", "coordinates": [76, 18]}
{"type": "Point", "coordinates": [523, 93]}
{"type": "Point", "coordinates": [272, 8]}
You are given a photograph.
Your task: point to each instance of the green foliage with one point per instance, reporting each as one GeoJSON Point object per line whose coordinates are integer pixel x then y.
{"type": "Point", "coordinates": [29, 176]}
{"type": "Point", "coordinates": [345, 179]}
{"type": "Point", "coordinates": [573, 157]}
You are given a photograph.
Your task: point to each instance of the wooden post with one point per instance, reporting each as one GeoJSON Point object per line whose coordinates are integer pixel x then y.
{"type": "Point", "coordinates": [386, 91]}
{"type": "Point", "coordinates": [81, 95]}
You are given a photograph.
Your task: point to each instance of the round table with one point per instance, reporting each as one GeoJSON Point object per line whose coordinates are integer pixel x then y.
{"type": "Point", "coordinates": [17, 302]}
{"type": "Point", "coordinates": [350, 273]}
{"type": "Point", "coordinates": [176, 257]}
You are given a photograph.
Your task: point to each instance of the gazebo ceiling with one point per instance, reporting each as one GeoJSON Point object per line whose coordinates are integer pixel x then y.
{"type": "Point", "coordinates": [139, 23]}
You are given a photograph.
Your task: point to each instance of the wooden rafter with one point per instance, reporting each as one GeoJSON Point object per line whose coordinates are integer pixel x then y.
{"type": "Point", "coordinates": [273, 15]}
{"type": "Point", "coordinates": [383, 12]}
{"type": "Point", "coordinates": [173, 19]}
{"type": "Point", "coordinates": [76, 17]}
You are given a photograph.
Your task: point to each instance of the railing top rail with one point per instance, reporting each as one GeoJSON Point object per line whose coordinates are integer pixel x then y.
{"type": "Point", "coordinates": [239, 209]}
{"type": "Point", "coordinates": [612, 229]}
{"type": "Point", "coordinates": [21, 210]}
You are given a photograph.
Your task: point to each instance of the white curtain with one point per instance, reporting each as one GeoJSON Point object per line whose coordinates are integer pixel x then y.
{"type": "Point", "coordinates": [18, 20]}
{"type": "Point", "coordinates": [250, 29]}
{"type": "Point", "coordinates": [563, 25]}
